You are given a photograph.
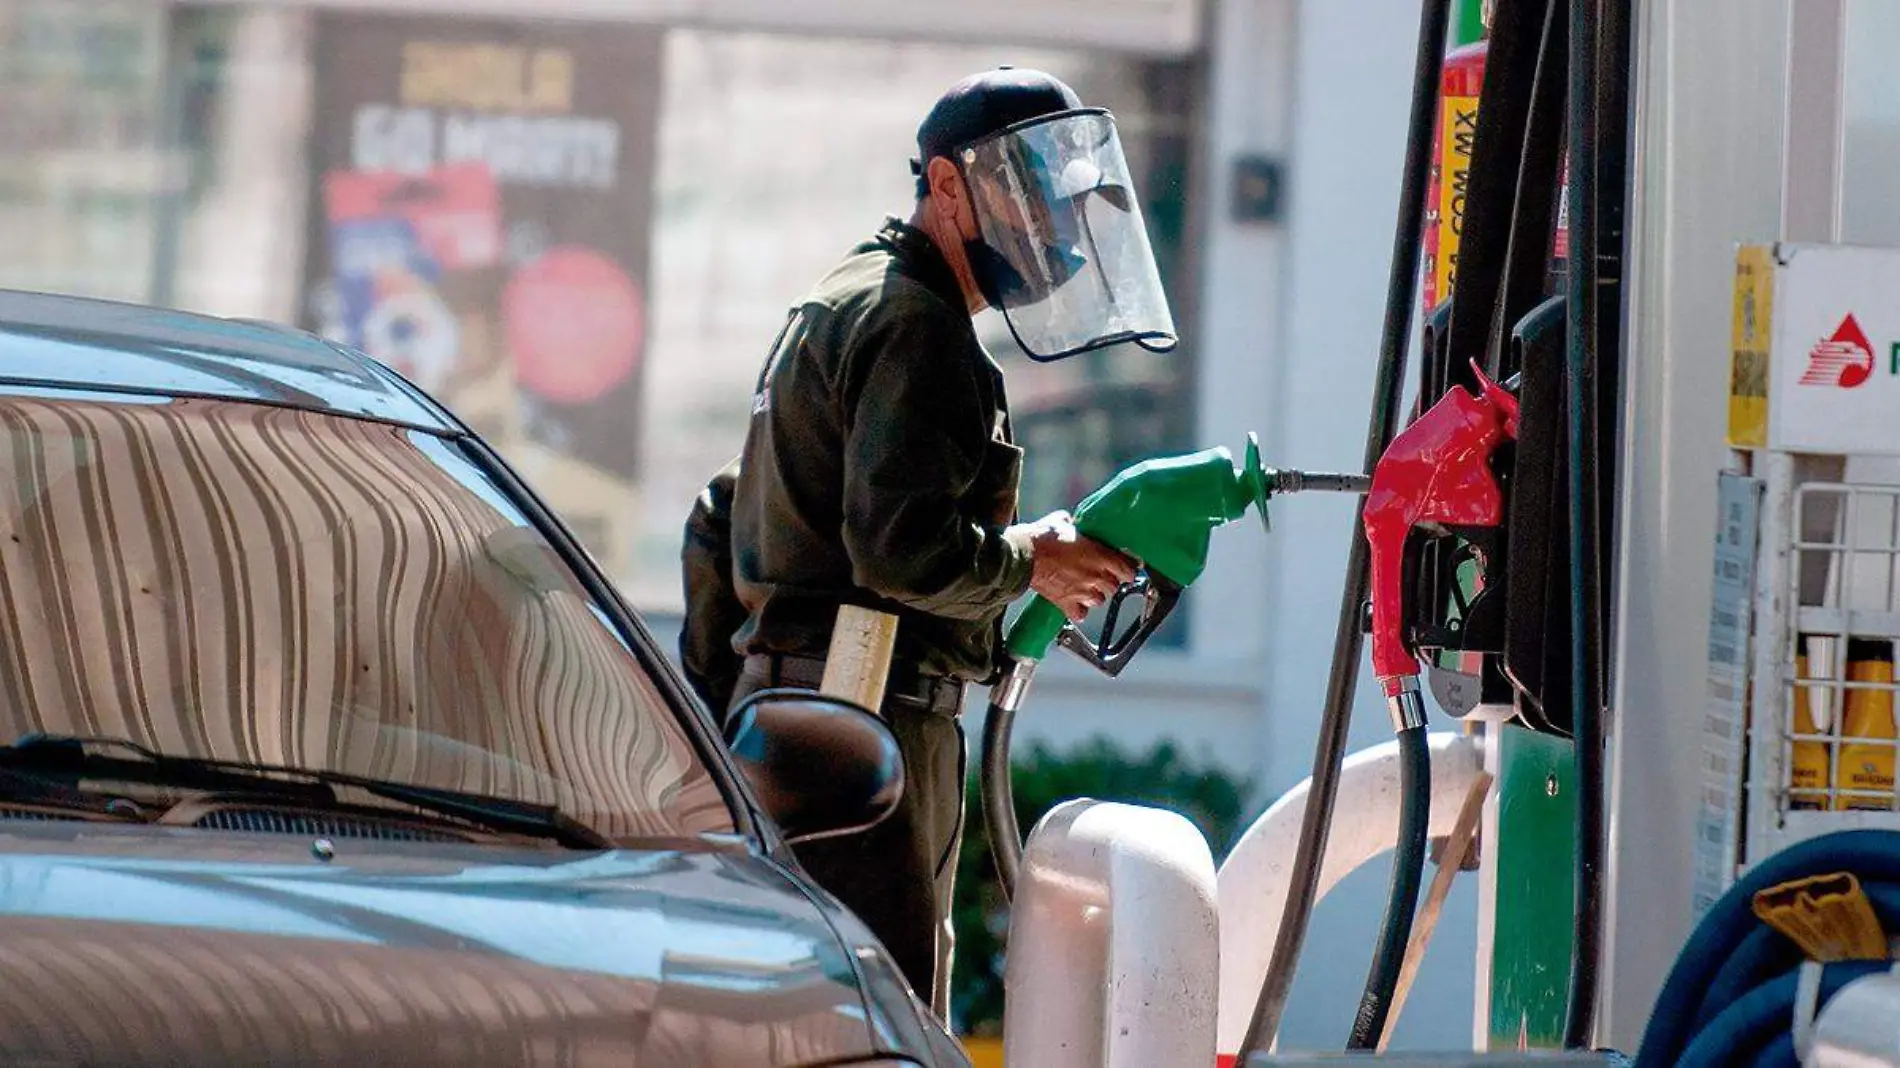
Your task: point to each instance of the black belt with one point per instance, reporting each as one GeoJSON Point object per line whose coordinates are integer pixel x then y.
{"type": "Point", "coordinates": [937, 693]}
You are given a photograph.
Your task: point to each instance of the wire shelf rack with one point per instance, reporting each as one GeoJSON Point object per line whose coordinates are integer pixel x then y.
{"type": "Point", "coordinates": [1835, 659]}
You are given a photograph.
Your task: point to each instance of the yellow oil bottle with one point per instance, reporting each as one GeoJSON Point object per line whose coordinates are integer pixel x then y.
{"type": "Point", "coordinates": [1867, 728]}
{"type": "Point", "coordinates": [1808, 770]}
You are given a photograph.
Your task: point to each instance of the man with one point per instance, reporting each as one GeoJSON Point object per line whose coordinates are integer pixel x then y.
{"type": "Point", "coordinates": [879, 470]}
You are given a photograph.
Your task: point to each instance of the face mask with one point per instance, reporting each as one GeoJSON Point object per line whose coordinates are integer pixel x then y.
{"type": "Point", "coordinates": [1002, 285]}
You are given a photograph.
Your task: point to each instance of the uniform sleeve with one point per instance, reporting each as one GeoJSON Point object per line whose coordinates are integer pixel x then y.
{"type": "Point", "coordinates": [713, 610]}
{"type": "Point", "coordinates": [918, 433]}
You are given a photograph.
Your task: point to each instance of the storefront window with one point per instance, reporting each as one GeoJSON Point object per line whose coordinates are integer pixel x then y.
{"type": "Point", "coordinates": [776, 155]}
{"type": "Point", "coordinates": [82, 171]}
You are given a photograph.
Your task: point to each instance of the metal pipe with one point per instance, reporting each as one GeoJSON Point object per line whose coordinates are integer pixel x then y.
{"type": "Point", "coordinates": [1317, 482]}
{"type": "Point", "coordinates": [1349, 629]}
{"type": "Point", "coordinates": [1859, 1028]}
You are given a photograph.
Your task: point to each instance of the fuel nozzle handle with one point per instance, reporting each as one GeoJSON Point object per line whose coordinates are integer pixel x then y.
{"type": "Point", "coordinates": [1436, 471]}
{"type": "Point", "coordinates": [1162, 512]}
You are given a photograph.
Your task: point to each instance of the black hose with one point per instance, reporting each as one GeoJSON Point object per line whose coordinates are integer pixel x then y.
{"type": "Point", "coordinates": [1580, 358]}
{"type": "Point", "coordinates": [1349, 631]}
{"type": "Point", "coordinates": [999, 798]}
{"type": "Point", "coordinates": [1408, 864]}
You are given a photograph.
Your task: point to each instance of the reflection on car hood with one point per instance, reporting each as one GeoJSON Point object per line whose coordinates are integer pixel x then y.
{"type": "Point", "coordinates": [122, 947]}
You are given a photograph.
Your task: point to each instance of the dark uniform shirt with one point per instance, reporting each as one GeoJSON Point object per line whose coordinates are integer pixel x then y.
{"type": "Point", "coordinates": [713, 611]}
{"type": "Point", "coordinates": [878, 469]}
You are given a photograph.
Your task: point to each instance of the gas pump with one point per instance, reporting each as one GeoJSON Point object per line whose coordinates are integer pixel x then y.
{"type": "Point", "coordinates": [1484, 560]}
{"type": "Point", "coordinates": [1502, 611]}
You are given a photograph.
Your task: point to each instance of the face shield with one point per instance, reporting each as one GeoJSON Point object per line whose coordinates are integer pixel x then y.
{"type": "Point", "coordinates": [1064, 254]}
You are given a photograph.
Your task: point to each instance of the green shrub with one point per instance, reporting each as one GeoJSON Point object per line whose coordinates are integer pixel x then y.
{"type": "Point", "coordinates": [1162, 777]}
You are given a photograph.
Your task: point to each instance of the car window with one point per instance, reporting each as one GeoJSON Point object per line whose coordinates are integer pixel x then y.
{"type": "Point", "coordinates": [271, 585]}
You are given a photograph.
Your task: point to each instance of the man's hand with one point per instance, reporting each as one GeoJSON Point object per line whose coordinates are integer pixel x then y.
{"type": "Point", "coordinates": [1074, 572]}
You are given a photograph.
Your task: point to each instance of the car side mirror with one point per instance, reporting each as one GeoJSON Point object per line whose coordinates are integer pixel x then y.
{"type": "Point", "coordinates": [822, 766]}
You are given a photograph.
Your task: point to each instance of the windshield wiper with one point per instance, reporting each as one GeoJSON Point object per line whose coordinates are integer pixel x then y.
{"type": "Point", "coordinates": [68, 754]}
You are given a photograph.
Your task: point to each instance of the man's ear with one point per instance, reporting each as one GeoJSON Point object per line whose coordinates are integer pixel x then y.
{"type": "Point", "coordinates": [952, 196]}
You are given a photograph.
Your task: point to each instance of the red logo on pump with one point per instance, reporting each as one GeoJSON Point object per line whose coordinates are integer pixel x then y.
{"type": "Point", "coordinates": [1845, 360]}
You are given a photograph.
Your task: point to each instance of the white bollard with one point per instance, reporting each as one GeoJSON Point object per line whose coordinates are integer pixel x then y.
{"type": "Point", "coordinates": [1114, 942]}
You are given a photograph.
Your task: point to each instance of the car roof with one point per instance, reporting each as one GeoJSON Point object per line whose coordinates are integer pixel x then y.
{"type": "Point", "coordinates": [80, 343]}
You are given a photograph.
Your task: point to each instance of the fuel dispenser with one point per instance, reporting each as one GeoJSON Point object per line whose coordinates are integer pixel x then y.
{"type": "Point", "coordinates": [1480, 572]}
{"type": "Point", "coordinates": [1483, 559]}
{"type": "Point", "coordinates": [1429, 575]}
{"type": "Point", "coordinates": [1480, 569]}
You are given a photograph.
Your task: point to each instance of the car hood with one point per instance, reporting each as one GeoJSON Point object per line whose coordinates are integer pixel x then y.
{"type": "Point", "coordinates": [158, 946]}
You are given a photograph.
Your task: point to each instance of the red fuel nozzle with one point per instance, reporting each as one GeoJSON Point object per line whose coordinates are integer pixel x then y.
{"type": "Point", "coordinates": [1436, 471]}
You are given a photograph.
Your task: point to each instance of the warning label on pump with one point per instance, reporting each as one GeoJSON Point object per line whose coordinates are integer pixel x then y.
{"type": "Point", "coordinates": [1725, 704]}
{"type": "Point", "coordinates": [1748, 350]}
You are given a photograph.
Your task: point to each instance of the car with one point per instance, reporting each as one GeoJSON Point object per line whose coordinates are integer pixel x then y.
{"type": "Point", "coordinates": [322, 740]}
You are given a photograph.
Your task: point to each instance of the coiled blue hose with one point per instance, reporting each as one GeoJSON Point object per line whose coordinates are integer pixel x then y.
{"type": "Point", "coordinates": [1762, 953]}
{"type": "Point", "coordinates": [1779, 1053]}
{"type": "Point", "coordinates": [1729, 997]}
{"type": "Point", "coordinates": [1749, 1031]}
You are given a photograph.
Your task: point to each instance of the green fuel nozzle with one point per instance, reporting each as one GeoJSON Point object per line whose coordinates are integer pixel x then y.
{"type": "Point", "coordinates": [1162, 512]}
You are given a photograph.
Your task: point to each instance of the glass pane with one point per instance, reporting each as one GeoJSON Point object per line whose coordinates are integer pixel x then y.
{"type": "Point", "coordinates": [269, 585]}
{"type": "Point", "coordinates": [479, 214]}
{"type": "Point", "coordinates": [81, 177]}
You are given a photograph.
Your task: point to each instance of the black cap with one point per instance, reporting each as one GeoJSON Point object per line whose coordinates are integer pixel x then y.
{"type": "Point", "coordinates": [984, 103]}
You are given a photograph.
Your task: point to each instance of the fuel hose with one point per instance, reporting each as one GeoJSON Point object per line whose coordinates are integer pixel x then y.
{"type": "Point", "coordinates": [1349, 631]}
{"type": "Point", "coordinates": [1042, 625]}
{"type": "Point", "coordinates": [998, 792]}
{"type": "Point", "coordinates": [999, 798]}
{"type": "Point", "coordinates": [1580, 366]}
{"type": "Point", "coordinates": [1754, 1029]}
{"type": "Point", "coordinates": [1408, 864]}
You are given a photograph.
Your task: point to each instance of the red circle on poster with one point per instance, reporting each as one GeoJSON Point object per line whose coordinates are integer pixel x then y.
{"type": "Point", "coordinates": [574, 321]}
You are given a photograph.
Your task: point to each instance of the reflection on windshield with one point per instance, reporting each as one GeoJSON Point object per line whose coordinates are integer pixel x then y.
{"type": "Point", "coordinates": [262, 584]}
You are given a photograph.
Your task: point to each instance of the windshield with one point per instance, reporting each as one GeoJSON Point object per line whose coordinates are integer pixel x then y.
{"type": "Point", "coordinates": [268, 585]}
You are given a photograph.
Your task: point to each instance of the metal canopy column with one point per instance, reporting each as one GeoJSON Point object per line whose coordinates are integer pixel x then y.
{"type": "Point", "coordinates": [1711, 101]}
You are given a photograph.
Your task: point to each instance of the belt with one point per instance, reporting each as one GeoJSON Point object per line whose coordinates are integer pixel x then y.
{"type": "Point", "coordinates": [936, 693]}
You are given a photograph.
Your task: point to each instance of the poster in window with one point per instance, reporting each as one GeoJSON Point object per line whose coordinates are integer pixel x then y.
{"type": "Point", "coordinates": [481, 214]}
